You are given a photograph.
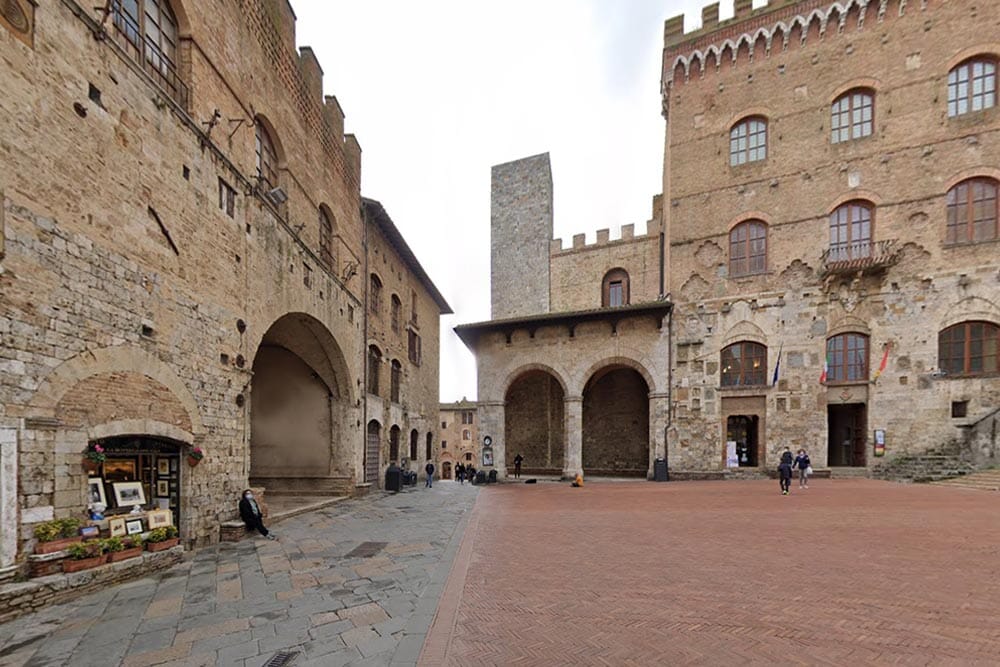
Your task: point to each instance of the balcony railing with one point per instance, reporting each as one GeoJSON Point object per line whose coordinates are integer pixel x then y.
{"type": "Point", "coordinates": [149, 56]}
{"type": "Point", "coordinates": [860, 256]}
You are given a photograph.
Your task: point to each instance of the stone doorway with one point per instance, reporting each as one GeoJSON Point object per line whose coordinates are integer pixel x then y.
{"type": "Point", "coordinates": [847, 440]}
{"type": "Point", "coordinates": [534, 422]}
{"type": "Point", "coordinates": [744, 421]}
{"type": "Point", "coordinates": [446, 470]}
{"type": "Point", "coordinates": [372, 445]}
{"type": "Point", "coordinates": [616, 423]}
{"type": "Point", "coordinates": [744, 430]}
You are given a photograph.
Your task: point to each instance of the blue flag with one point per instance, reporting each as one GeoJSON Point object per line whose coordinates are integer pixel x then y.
{"type": "Point", "coordinates": [777, 365]}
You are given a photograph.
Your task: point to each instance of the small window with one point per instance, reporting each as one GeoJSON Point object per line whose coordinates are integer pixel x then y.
{"type": "Point", "coordinates": [468, 457]}
{"type": "Point", "coordinates": [267, 158]}
{"type": "Point", "coordinates": [959, 409]}
{"type": "Point", "coordinates": [307, 275]}
{"type": "Point", "coordinates": [444, 425]}
{"type": "Point", "coordinates": [326, 240]}
{"type": "Point", "coordinates": [969, 349]}
{"type": "Point", "coordinates": [375, 294]}
{"type": "Point", "coordinates": [467, 416]}
{"type": "Point", "coordinates": [972, 211]}
{"type": "Point", "coordinates": [430, 447]}
{"type": "Point", "coordinates": [847, 358]}
{"type": "Point", "coordinates": [444, 444]}
{"type": "Point", "coordinates": [395, 380]}
{"type": "Point", "coordinates": [227, 198]}
{"type": "Point", "coordinates": [374, 365]}
{"type": "Point", "coordinates": [396, 313]}
{"type": "Point", "coordinates": [394, 443]}
{"type": "Point", "coordinates": [852, 116]}
{"type": "Point", "coordinates": [748, 249]}
{"type": "Point", "coordinates": [615, 289]}
{"type": "Point", "coordinates": [851, 231]}
{"type": "Point", "coordinates": [413, 307]}
{"type": "Point", "coordinates": [414, 441]}
{"type": "Point", "coordinates": [414, 347]}
{"type": "Point", "coordinates": [748, 141]}
{"type": "Point", "coordinates": [744, 365]}
{"type": "Point", "coordinates": [466, 435]}
{"type": "Point", "coordinates": [972, 86]}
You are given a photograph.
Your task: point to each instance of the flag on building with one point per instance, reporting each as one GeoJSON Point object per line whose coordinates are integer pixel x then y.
{"type": "Point", "coordinates": [826, 370]}
{"type": "Point", "coordinates": [881, 366]}
{"type": "Point", "coordinates": [777, 365]}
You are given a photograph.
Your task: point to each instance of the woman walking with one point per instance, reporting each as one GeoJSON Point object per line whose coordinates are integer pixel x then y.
{"type": "Point", "coordinates": [802, 463]}
{"type": "Point", "coordinates": [785, 471]}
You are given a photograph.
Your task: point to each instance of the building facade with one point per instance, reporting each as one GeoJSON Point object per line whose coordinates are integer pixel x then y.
{"type": "Point", "coordinates": [827, 235]}
{"type": "Point", "coordinates": [182, 266]}
{"type": "Point", "coordinates": [459, 437]}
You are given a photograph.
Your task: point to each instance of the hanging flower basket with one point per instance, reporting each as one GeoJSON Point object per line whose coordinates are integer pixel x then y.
{"type": "Point", "coordinates": [93, 457]}
{"type": "Point", "coordinates": [195, 456]}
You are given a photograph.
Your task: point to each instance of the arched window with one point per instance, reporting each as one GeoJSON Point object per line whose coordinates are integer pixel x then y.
{"type": "Point", "coordinates": [748, 249]}
{"type": "Point", "coordinates": [394, 381]}
{"type": "Point", "coordinates": [465, 434]}
{"type": "Point", "coordinates": [414, 441]}
{"type": "Point", "coordinates": [748, 141]}
{"type": "Point", "coordinates": [394, 443]}
{"type": "Point", "coordinates": [147, 30]}
{"type": "Point", "coordinates": [744, 364]}
{"type": "Point", "coordinates": [267, 157]}
{"type": "Point", "coordinates": [972, 86]}
{"type": "Point", "coordinates": [615, 289]}
{"type": "Point", "coordinates": [847, 358]}
{"type": "Point", "coordinates": [375, 294]}
{"type": "Point", "coordinates": [852, 115]}
{"type": "Point", "coordinates": [468, 457]}
{"type": "Point", "coordinates": [374, 365]}
{"type": "Point", "coordinates": [396, 310]}
{"type": "Point", "coordinates": [969, 349]}
{"type": "Point", "coordinates": [326, 239]}
{"type": "Point", "coordinates": [430, 446]}
{"type": "Point", "coordinates": [851, 231]}
{"type": "Point", "coordinates": [972, 211]}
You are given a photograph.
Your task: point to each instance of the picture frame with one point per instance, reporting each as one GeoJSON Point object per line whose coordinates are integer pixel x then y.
{"type": "Point", "coordinates": [128, 494]}
{"type": "Point", "coordinates": [488, 457]}
{"type": "Point", "coordinates": [117, 527]}
{"type": "Point", "coordinates": [173, 465]}
{"type": "Point", "coordinates": [119, 470]}
{"type": "Point", "coordinates": [95, 491]}
{"type": "Point", "coordinates": [162, 488]}
{"type": "Point", "coordinates": [89, 532]}
{"type": "Point", "coordinates": [133, 527]}
{"type": "Point", "coordinates": [162, 467]}
{"type": "Point", "coordinates": [160, 518]}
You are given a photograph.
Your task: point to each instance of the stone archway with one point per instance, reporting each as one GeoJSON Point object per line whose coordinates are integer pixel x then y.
{"type": "Point", "coordinates": [535, 423]}
{"type": "Point", "coordinates": [616, 423]}
{"type": "Point", "coordinates": [299, 409]}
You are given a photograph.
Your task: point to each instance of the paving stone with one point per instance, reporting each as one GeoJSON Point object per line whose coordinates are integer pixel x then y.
{"type": "Point", "coordinates": [377, 646]}
{"type": "Point", "coordinates": [150, 641]}
{"type": "Point", "coordinates": [238, 652]}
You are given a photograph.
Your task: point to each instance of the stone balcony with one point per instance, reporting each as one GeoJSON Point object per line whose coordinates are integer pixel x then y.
{"type": "Point", "coordinates": [860, 257]}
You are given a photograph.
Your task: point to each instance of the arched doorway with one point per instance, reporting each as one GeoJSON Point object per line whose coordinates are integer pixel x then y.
{"type": "Point", "coordinates": [446, 470]}
{"type": "Point", "coordinates": [394, 444]}
{"type": "Point", "coordinates": [534, 422]}
{"type": "Point", "coordinates": [372, 446]}
{"type": "Point", "coordinates": [414, 443]}
{"type": "Point", "coordinates": [616, 423]}
{"type": "Point", "coordinates": [299, 407]}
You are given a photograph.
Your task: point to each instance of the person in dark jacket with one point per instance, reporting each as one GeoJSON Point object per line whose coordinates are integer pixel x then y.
{"type": "Point", "coordinates": [429, 469]}
{"type": "Point", "coordinates": [785, 471]}
{"type": "Point", "coordinates": [802, 463]}
{"type": "Point", "coordinates": [460, 473]}
{"type": "Point", "coordinates": [251, 515]}
{"type": "Point", "coordinates": [518, 460]}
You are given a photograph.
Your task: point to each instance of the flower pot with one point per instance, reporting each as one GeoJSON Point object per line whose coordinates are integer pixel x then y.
{"type": "Point", "coordinates": [165, 544]}
{"type": "Point", "coordinates": [91, 467]}
{"type": "Point", "coordinates": [192, 461]}
{"type": "Point", "coordinates": [55, 545]}
{"type": "Point", "coordinates": [71, 565]}
{"type": "Point", "coordinates": [115, 556]}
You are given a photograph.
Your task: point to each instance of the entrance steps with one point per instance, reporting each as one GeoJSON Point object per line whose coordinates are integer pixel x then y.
{"type": "Point", "coordinates": [936, 464]}
{"type": "Point", "coordinates": [845, 472]}
{"type": "Point", "coordinates": [987, 480]}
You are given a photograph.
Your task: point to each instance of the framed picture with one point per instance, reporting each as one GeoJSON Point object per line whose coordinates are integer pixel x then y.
{"type": "Point", "coordinates": [173, 465]}
{"type": "Point", "coordinates": [117, 527]}
{"type": "Point", "coordinates": [119, 470]}
{"type": "Point", "coordinates": [160, 518]}
{"type": "Point", "coordinates": [488, 456]}
{"type": "Point", "coordinates": [162, 467]}
{"type": "Point", "coordinates": [95, 491]}
{"type": "Point", "coordinates": [89, 532]}
{"type": "Point", "coordinates": [133, 527]}
{"type": "Point", "coordinates": [162, 488]}
{"type": "Point", "coordinates": [128, 494]}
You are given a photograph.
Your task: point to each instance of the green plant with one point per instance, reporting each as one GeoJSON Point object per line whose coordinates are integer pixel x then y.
{"type": "Point", "coordinates": [47, 531]}
{"type": "Point", "coordinates": [69, 527]}
{"type": "Point", "coordinates": [95, 453]}
{"type": "Point", "coordinates": [81, 550]}
{"type": "Point", "coordinates": [197, 454]}
{"type": "Point", "coordinates": [114, 544]}
{"type": "Point", "coordinates": [162, 534]}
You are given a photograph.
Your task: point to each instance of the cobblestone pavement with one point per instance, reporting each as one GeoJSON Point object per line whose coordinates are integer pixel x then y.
{"type": "Point", "coordinates": [239, 604]}
{"type": "Point", "coordinates": [721, 573]}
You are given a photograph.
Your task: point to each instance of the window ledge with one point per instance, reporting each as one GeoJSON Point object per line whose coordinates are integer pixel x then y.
{"type": "Point", "coordinates": [965, 244]}
{"type": "Point", "coordinates": [744, 389]}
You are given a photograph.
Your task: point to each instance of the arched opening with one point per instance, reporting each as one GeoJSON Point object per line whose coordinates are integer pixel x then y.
{"type": "Point", "coordinates": [299, 409]}
{"type": "Point", "coordinates": [372, 446]}
{"type": "Point", "coordinates": [394, 444]}
{"type": "Point", "coordinates": [616, 423]}
{"type": "Point", "coordinates": [534, 422]}
{"type": "Point", "coordinates": [446, 470]}
{"type": "Point", "coordinates": [615, 289]}
{"type": "Point", "coordinates": [414, 442]}
{"type": "Point", "coordinates": [430, 446]}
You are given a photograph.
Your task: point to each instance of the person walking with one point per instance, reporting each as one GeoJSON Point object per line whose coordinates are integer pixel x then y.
{"type": "Point", "coordinates": [460, 473]}
{"type": "Point", "coordinates": [785, 471]}
{"type": "Point", "coordinates": [429, 469]}
{"type": "Point", "coordinates": [251, 515]}
{"type": "Point", "coordinates": [518, 460]}
{"type": "Point", "coordinates": [805, 469]}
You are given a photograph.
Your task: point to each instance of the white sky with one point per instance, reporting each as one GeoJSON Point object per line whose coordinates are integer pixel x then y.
{"type": "Point", "coordinates": [439, 91]}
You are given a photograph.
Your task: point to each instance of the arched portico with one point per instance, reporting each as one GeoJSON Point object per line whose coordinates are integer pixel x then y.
{"type": "Point", "coordinates": [615, 438]}
{"type": "Point", "coordinates": [534, 420]}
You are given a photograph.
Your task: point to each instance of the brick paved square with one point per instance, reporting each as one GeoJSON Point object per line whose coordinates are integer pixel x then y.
{"type": "Point", "coordinates": [847, 572]}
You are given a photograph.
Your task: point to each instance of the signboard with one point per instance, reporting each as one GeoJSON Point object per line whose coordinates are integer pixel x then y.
{"type": "Point", "coordinates": [732, 461]}
{"type": "Point", "coordinates": [487, 456]}
{"type": "Point", "coordinates": [879, 442]}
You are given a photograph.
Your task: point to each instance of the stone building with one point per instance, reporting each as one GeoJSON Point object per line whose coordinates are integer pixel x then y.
{"type": "Point", "coordinates": [183, 265]}
{"type": "Point", "coordinates": [828, 237]}
{"type": "Point", "coordinates": [459, 435]}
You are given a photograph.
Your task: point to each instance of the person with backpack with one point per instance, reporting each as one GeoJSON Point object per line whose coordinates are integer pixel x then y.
{"type": "Point", "coordinates": [429, 469]}
{"type": "Point", "coordinates": [460, 473]}
{"type": "Point", "coordinates": [785, 471]}
{"type": "Point", "coordinates": [805, 469]}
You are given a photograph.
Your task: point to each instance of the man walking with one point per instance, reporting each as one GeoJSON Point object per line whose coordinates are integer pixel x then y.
{"type": "Point", "coordinates": [429, 469]}
{"type": "Point", "coordinates": [518, 460]}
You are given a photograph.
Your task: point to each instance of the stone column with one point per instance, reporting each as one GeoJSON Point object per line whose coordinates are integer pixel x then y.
{"type": "Point", "coordinates": [573, 462]}
{"type": "Point", "coordinates": [491, 423]}
{"type": "Point", "coordinates": [8, 501]}
{"type": "Point", "coordinates": [659, 406]}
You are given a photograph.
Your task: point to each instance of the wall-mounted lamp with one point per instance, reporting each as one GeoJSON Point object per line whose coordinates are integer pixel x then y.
{"type": "Point", "coordinates": [277, 196]}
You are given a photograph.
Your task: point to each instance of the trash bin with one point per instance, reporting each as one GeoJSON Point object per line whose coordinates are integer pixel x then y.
{"type": "Point", "coordinates": [493, 477]}
{"type": "Point", "coordinates": [393, 478]}
{"type": "Point", "coordinates": [660, 470]}
{"type": "Point", "coordinates": [480, 477]}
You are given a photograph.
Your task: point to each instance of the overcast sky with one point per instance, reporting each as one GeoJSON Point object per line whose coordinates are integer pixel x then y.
{"type": "Point", "coordinates": [439, 91]}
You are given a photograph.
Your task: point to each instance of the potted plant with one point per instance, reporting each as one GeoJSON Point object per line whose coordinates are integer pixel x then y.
{"type": "Point", "coordinates": [162, 538]}
{"type": "Point", "coordinates": [56, 535]}
{"type": "Point", "coordinates": [93, 457]}
{"type": "Point", "coordinates": [83, 556]}
{"type": "Point", "coordinates": [122, 548]}
{"type": "Point", "coordinates": [195, 456]}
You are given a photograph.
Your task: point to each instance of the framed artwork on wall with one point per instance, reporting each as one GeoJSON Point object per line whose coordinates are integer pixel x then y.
{"type": "Point", "coordinates": [119, 470]}
{"type": "Point", "coordinates": [95, 491]}
{"type": "Point", "coordinates": [128, 494]}
{"type": "Point", "coordinates": [162, 467]}
{"type": "Point", "coordinates": [162, 488]}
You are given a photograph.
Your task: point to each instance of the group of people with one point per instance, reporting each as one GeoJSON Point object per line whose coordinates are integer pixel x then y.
{"type": "Point", "coordinates": [788, 464]}
{"type": "Point", "coordinates": [463, 472]}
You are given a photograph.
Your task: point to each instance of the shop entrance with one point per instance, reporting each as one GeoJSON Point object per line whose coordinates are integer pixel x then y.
{"type": "Point", "coordinates": [137, 470]}
{"type": "Point", "coordinates": [847, 427]}
{"type": "Point", "coordinates": [743, 430]}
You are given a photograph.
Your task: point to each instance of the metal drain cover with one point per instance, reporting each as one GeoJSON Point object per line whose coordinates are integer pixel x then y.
{"type": "Point", "coordinates": [281, 658]}
{"type": "Point", "coordinates": [366, 549]}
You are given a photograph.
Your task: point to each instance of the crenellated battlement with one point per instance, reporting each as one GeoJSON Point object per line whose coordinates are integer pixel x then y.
{"type": "Point", "coordinates": [754, 34]}
{"type": "Point", "coordinates": [627, 234]}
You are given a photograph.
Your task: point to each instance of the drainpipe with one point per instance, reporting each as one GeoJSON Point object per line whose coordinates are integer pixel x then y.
{"type": "Point", "coordinates": [364, 352]}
